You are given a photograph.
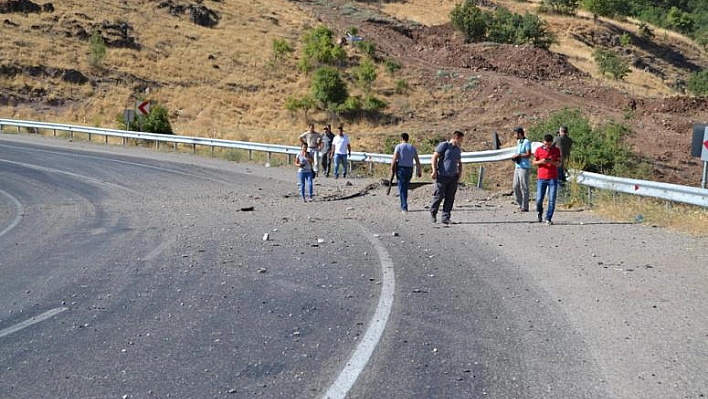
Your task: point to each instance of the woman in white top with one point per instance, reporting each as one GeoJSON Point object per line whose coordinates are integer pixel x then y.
{"type": "Point", "coordinates": [304, 172]}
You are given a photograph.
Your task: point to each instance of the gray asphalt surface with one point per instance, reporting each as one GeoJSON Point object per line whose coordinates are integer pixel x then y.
{"type": "Point", "coordinates": [161, 286]}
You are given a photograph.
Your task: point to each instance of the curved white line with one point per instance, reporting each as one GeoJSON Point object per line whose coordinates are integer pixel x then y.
{"type": "Point", "coordinates": [34, 320]}
{"type": "Point", "coordinates": [361, 355]}
{"type": "Point", "coordinates": [75, 175]}
{"type": "Point", "coordinates": [18, 216]}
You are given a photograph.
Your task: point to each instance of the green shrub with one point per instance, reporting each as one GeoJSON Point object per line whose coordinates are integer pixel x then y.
{"type": "Point", "coordinates": [401, 86]}
{"type": "Point", "coordinates": [698, 83]}
{"type": "Point", "coordinates": [281, 48]}
{"type": "Point", "coordinates": [392, 66]}
{"type": "Point", "coordinates": [367, 47]}
{"type": "Point", "coordinates": [601, 150]}
{"type": "Point", "coordinates": [319, 47]}
{"type": "Point", "coordinates": [562, 7]}
{"type": "Point", "coordinates": [374, 104]}
{"type": "Point", "coordinates": [328, 88]}
{"type": "Point", "coordinates": [470, 20]}
{"type": "Point", "coordinates": [365, 74]}
{"type": "Point", "coordinates": [98, 49]}
{"type": "Point", "coordinates": [157, 121]}
{"type": "Point", "coordinates": [609, 62]}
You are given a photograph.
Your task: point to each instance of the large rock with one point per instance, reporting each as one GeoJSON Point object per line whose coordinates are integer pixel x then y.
{"type": "Point", "coordinates": [24, 6]}
{"type": "Point", "coordinates": [203, 16]}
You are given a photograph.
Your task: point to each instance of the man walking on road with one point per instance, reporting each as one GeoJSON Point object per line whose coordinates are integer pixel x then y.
{"type": "Point", "coordinates": [404, 155]}
{"type": "Point", "coordinates": [341, 148]}
{"type": "Point", "coordinates": [547, 158]}
{"type": "Point", "coordinates": [521, 171]}
{"type": "Point", "coordinates": [447, 169]}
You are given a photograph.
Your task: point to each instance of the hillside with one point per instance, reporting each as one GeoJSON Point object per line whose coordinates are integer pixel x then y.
{"type": "Point", "coordinates": [210, 63]}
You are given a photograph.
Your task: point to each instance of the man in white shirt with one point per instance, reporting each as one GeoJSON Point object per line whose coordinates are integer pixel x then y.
{"type": "Point", "coordinates": [341, 148]}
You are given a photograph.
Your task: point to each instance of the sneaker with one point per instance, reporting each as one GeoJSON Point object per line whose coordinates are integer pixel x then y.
{"type": "Point", "coordinates": [403, 211]}
{"type": "Point", "coordinates": [523, 210]}
{"type": "Point", "coordinates": [433, 218]}
{"type": "Point", "coordinates": [549, 223]}
{"type": "Point", "coordinates": [445, 221]}
{"type": "Point", "coordinates": [540, 217]}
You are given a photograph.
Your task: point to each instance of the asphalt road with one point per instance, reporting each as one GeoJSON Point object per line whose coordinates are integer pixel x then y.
{"type": "Point", "coordinates": [127, 273]}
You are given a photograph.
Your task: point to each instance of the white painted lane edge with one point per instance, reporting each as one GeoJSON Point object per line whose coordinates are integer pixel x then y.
{"type": "Point", "coordinates": [361, 355]}
{"type": "Point", "coordinates": [18, 215]}
{"type": "Point", "coordinates": [34, 320]}
{"type": "Point", "coordinates": [75, 175]}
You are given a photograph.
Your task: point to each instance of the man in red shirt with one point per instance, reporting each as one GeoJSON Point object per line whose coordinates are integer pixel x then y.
{"type": "Point", "coordinates": [547, 158]}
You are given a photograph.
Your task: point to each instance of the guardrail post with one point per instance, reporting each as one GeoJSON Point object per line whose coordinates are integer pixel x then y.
{"type": "Point", "coordinates": [194, 148]}
{"type": "Point", "coordinates": [290, 159]}
{"type": "Point", "coordinates": [268, 157]}
{"type": "Point", "coordinates": [481, 177]}
{"type": "Point", "coordinates": [250, 155]}
{"type": "Point", "coordinates": [18, 129]}
{"type": "Point", "coordinates": [89, 137]}
{"type": "Point", "coordinates": [55, 132]}
{"type": "Point", "coordinates": [212, 151]}
{"type": "Point", "coordinates": [590, 197]}
{"type": "Point", "coordinates": [122, 141]}
{"type": "Point", "coordinates": [157, 145]}
{"type": "Point", "coordinates": [71, 134]}
{"type": "Point", "coordinates": [106, 140]}
{"type": "Point", "coordinates": [371, 168]}
{"type": "Point", "coordinates": [174, 147]}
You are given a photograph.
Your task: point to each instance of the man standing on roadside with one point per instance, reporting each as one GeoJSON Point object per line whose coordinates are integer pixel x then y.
{"type": "Point", "coordinates": [326, 149]}
{"type": "Point", "coordinates": [404, 155]}
{"type": "Point", "coordinates": [447, 169]}
{"type": "Point", "coordinates": [522, 169]}
{"type": "Point", "coordinates": [564, 144]}
{"type": "Point", "coordinates": [313, 140]}
{"type": "Point", "coordinates": [341, 149]}
{"type": "Point", "coordinates": [547, 158]}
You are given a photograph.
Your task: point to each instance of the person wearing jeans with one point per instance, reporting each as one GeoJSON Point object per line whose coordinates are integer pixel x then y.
{"type": "Point", "coordinates": [547, 158]}
{"type": "Point", "coordinates": [341, 149]}
{"type": "Point", "coordinates": [304, 172]}
{"type": "Point", "coordinates": [404, 156]}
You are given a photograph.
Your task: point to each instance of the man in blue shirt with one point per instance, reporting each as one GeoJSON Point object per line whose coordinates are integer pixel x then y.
{"type": "Point", "coordinates": [447, 169]}
{"type": "Point", "coordinates": [522, 169]}
{"type": "Point", "coordinates": [404, 155]}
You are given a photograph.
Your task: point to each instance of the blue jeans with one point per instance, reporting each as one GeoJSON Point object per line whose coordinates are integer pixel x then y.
{"type": "Point", "coordinates": [340, 159]}
{"type": "Point", "coordinates": [541, 186]}
{"type": "Point", "coordinates": [305, 177]}
{"type": "Point", "coordinates": [404, 174]}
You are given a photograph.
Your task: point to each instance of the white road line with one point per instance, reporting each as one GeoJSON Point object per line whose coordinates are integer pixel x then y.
{"type": "Point", "coordinates": [75, 175]}
{"type": "Point", "coordinates": [361, 355]}
{"type": "Point", "coordinates": [34, 320]}
{"type": "Point", "coordinates": [18, 216]}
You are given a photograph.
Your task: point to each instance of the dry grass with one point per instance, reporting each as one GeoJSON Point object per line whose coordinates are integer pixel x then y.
{"type": "Point", "coordinates": [686, 219]}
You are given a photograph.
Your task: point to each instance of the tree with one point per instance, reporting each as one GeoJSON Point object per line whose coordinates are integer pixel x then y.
{"type": "Point", "coordinates": [470, 20]}
{"type": "Point", "coordinates": [98, 48]}
{"type": "Point", "coordinates": [328, 88]}
{"type": "Point", "coordinates": [680, 20]}
{"type": "Point", "coordinates": [605, 8]}
{"type": "Point", "coordinates": [319, 47]}
{"type": "Point", "coordinates": [609, 62]}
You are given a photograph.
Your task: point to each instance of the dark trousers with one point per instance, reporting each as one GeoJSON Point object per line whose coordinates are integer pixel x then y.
{"type": "Point", "coordinates": [445, 189]}
{"type": "Point", "coordinates": [326, 163]}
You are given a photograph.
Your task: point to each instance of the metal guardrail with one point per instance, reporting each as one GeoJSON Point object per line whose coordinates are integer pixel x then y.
{"type": "Point", "coordinates": [647, 188]}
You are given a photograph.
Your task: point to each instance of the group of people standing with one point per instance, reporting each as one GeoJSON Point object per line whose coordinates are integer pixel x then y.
{"type": "Point", "coordinates": [321, 149]}
{"type": "Point", "coordinates": [550, 159]}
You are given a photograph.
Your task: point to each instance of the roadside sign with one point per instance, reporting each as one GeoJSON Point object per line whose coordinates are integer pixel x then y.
{"type": "Point", "coordinates": [143, 107]}
{"type": "Point", "coordinates": [128, 116]}
{"type": "Point", "coordinates": [704, 150]}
